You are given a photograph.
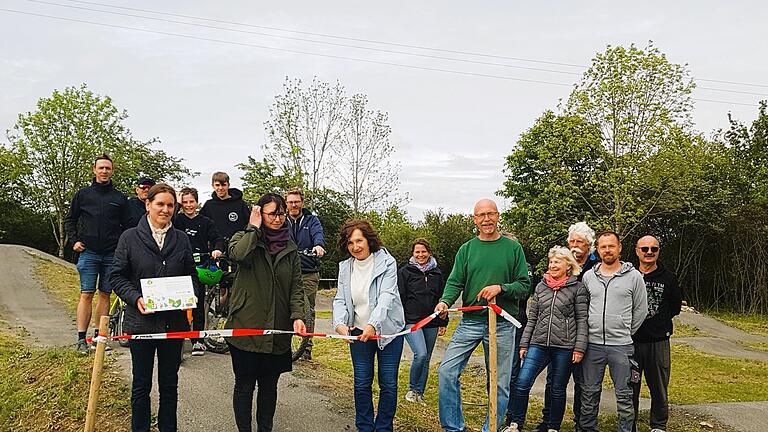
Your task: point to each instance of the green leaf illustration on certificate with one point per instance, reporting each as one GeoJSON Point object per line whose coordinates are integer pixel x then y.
{"type": "Point", "coordinates": [168, 293]}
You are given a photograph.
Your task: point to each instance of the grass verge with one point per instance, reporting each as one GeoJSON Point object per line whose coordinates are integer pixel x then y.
{"type": "Point", "coordinates": [751, 323]}
{"type": "Point", "coordinates": [47, 389]}
{"type": "Point", "coordinates": [63, 283]}
{"type": "Point", "coordinates": [759, 346]}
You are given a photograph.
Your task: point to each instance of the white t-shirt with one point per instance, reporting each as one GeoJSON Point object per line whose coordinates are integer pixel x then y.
{"type": "Point", "coordinates": [360, 284]}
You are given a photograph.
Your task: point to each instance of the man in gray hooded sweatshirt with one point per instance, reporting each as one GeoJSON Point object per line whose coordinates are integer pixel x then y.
{"type": "Point", "coordinates": [617, 307]}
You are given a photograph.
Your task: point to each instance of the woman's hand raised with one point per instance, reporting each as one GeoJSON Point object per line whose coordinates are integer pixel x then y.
{"type": "Point", "coordinates": [255, 218]}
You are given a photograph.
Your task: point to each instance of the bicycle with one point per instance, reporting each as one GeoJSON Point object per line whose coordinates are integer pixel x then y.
{"type": "Point", "coordinates": [299, 344]}
{"type": "Point", "coordinates": [117, 319]}
{"type": "Point", "coordinates": [216, 303]}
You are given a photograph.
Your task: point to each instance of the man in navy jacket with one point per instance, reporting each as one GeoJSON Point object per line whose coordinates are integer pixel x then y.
{"type": "Point", "coordinates": [307, 232]}
{"type": "Point", "coordinates": [97, 216]}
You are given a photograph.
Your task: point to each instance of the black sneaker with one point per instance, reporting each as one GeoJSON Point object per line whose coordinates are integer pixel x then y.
{"type": "Point", "coordinates": [307, 355]}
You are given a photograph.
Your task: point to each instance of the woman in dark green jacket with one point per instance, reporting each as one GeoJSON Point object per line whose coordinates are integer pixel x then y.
{"type": "Point", "coordinates": [266, 294]}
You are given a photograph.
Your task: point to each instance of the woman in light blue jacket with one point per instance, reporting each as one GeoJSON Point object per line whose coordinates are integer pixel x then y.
{"type": "Point", "coordinates": [367, 303]}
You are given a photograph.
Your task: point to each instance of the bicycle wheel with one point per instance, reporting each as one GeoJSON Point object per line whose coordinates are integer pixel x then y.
{"type": "Point", "coordinates": [298, 346]}
{"type": "Point", "coordinates": [215, 319]}
{"type": "Point", "coordinates": [120, 323]}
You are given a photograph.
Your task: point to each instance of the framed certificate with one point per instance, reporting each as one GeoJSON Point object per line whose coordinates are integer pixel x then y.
{"type": "Point", "coordinates": [168, 293]}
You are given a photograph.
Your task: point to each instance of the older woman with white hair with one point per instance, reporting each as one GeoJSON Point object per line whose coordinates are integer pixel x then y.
{"type": "Point", "coordinates": [555, 336]}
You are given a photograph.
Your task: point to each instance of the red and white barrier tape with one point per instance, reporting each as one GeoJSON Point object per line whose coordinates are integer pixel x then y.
{"type": "Point", "coordinates": [258, 332]}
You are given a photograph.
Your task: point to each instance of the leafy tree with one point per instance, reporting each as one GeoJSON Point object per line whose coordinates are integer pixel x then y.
{"type": "Point", "coordinates": [638, 100]}
{"type": "Point", "coordinates": [53, 148]}
{"type": "Point", "coordinates": [260, 178]}
{"type": "Point", "coordinates": [446, 233]}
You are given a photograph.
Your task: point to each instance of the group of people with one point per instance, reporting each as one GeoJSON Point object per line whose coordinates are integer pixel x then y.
{"type": "Point", "coordinates": [590, 309]}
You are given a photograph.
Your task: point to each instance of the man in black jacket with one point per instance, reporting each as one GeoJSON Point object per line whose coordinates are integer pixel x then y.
{"type": "Point", "coordinates": [652, 339]}
{"type": "Point", "coordinates": [136, 205]}
{"type": "Point", "coordinates": [97, 216]}
{"type": "Point", "coordinates": [226, 207]}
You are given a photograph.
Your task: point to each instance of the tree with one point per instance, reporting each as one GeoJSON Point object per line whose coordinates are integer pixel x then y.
{"type": "Point", "coordinates": [260, 178]}
{"type": "Point", "coordinates": [53, 148]}
{"type": "Point", "coordinates": [638, 100]}
{"type": "Point", "coordinates": [365, 173]}
{"type": "Point", "coordinates": [304, 125]}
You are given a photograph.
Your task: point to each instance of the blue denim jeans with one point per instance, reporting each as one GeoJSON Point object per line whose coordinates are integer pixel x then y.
{"type": "Point", "coordinates": [422, 342]}
{"type": "Point", "coordinates": [363, 354]}
{"type": "Point", "coordinates": [515, 369]}
{"type": "Point", "coordinates": [559, 372]}
{"type": "Point", "coordinates": [468, 335]}
{"type": "Point", "coordinates": [577, 383]}
{"type": "Point", "coordinates": [94, 267]}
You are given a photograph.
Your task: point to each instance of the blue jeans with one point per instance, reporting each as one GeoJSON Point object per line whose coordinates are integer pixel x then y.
{"type": "Point", "coordinates": [515, 369]}
{"type": "Point", "coordinates": [422, 342]}
{"type": "Point", "coordinates": [468, 335]}
{"type": "Point", "coordinates": [577, 383]}
{"type": "Point", "coordinates": [363, 354]}
{"type": "Point", "coordinates": [94, 267]}
{"type": "Point", "coordinates": [559, 372]}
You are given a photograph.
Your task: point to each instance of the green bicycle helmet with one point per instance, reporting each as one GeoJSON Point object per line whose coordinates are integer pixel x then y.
{"type": "Point", "coordinates": [209, 274]}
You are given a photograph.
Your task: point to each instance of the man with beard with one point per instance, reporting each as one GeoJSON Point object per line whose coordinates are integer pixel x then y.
{"type": "Point", "coordinates": [652, 339]}
{"type": "Point", "coordinates": [581, 239]}
{"type": "Point", "coordinates": [617, 307]}
{"type": "Point", "coordinates": [489, 266]}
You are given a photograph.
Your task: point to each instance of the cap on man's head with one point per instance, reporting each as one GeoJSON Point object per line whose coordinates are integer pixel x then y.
{"type": "Point", "coordinates": [146, 181]}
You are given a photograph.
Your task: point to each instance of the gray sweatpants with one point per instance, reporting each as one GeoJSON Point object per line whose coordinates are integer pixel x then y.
{"type": "Point", "coordinates": [653, 358]}
{"type": "Point", "coordinates": [597, 357]}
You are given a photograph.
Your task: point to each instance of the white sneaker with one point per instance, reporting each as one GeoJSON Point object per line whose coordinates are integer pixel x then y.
{"type": "Point", "coordinates": [511, 428]}
{"type": "Point", "coordinates": [198, 349]}
{"type": "Point", "coordinates": [411, 396]}
{"type": "Point", "coordinates": [420, 399]}
{"type": "Point", "coordinates": [552, 430]}
{"type": "Point", "coordinates": [657, 430]}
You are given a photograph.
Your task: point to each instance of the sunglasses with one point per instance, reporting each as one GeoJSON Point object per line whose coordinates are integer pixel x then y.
{"type": "Point", "coordinates": [653, 249]}
{"type": "Point", "coordinates": [145, 187]}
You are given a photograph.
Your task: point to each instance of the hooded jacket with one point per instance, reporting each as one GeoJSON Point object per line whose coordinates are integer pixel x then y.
{"type": "Point", "coordinates": [307, 232]}
{"type": "Point", "coordinates": [387, 315]}
{"type": "Point", "coordinates": [617, 307]}
{"type": "Point", "coordinates": [202, 232]}
{"type": "Point", "coordinates": [664, 303]}
{"type": "Point", "coordinates": [558, 318]}
{"type": "Point", "coordinates": [420, 292]}
{"type": "Point", "coordinates": [138, 257]}
{"type": "Point", "coordinates": [266, 294]}
{"type": "Point", "coordinates": [97, 216]}
{"type": "Point", "coordinates": [230, 215]}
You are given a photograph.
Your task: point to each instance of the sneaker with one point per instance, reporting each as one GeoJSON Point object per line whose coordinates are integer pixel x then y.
{"type": "Point", "coordinates": [82, 346]}
{"type": "Point", "coordinates": [307, 355]}
{"type": "Point", "coordinates": [511, 428]}
{"type": "Point", "coordinates": [198, 349]}
{"type": "Point", "coordinates": [420, 399]}
{"type": "Point", "coordinates": [411, 396]}
{"type": "Point", "coordinates": [551, 430]}
{"type": "Point", "coordinates": [107, 348]}
{"type": "Point", "coordinates": [657, 430]}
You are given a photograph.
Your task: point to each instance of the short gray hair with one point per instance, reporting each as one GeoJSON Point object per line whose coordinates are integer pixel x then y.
{"type": "Point", "coordinates": [583, 230]}
{"type": "Point", "coordinates": [566, 255]}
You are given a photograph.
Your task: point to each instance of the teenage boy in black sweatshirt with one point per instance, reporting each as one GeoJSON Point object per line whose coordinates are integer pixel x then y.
{"type": "Point", "coordinates": [226, 207]}
{"type": "Point", "coordinates": [204, 238]}
{"type": "Point", "coordinates": [652, 339]}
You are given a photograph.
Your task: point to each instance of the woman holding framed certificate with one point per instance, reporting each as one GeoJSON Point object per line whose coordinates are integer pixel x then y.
{"type": "Point", "coordinates": [267, 294]}
{"type": "Point", "coordinates": [152, 256]}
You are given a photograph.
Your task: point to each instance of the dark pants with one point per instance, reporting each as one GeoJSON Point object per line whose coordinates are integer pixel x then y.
{"type": "Point", "coordinates": [198, 313]}
{"type": "Point", "coordinates": [363, 355]}
{"type": "Point", "coordinates": [577, 382]}
{"type": "Point", "coordinates": [558, 364]}
{"type": "Point", "coordinates": [653, 358]}
{"type": "Point", "coordinates": [309, 282]}
{"type": "Point", "coordinates": [249, 371]}
{"type": "Point", "coordinates": [616, 358]}
{"type": "Point", "coordinates": [515, 370]}
{"type": "Point", "coordinates": [142, 361]}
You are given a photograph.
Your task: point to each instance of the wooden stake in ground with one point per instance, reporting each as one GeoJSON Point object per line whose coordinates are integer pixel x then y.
{"type": "Point", "coordinates": [98, 364]}
{"type": "Point", "coordinates": [492, 370]}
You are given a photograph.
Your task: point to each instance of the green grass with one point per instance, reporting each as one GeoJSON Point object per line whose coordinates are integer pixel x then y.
{"type": "Point", "coordinates": [47, 389]}
{"type": "Point", "coordinates": [60, 281]}
{"type": "Point", "coordinates": [751, 323]}
{"type": "Point", "coordinates": [759, 346]}
{"type": "Point", "coordinates": [684, 330]}
{"type": "Point", "coordinates": [331, 370]}
{"type": "Point", "coordinates": [323, 314]}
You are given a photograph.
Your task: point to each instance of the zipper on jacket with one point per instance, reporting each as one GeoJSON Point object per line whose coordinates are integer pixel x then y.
{"type": "Point", "coordinates": [551, 313]}
{"type": "Point", "coordinates": [605, 303]}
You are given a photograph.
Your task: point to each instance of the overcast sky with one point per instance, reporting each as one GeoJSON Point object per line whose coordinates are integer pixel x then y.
{"type": "Point", "coordinates": [207, 101]}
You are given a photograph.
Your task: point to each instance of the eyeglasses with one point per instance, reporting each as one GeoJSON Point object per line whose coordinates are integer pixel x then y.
{"type": "Point", "coordinates": [290, 203]}
{"type": "Point", "coordinates": [489, 215]}
{"type": "Point", "coordinates": [274, 215]}
{"type": "Point", "coordinates": [653, 249]}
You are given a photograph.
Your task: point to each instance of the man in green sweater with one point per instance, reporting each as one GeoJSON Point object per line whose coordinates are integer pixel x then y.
{"type": "Point", "coordinates": [486, 267]}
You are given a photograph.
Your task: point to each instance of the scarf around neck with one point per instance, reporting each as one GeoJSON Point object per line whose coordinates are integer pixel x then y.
{"type": "Point", "coordinates": [429, 265]}
{"type": "Point", "coordinates": [159, 233]}
{"type": "Point", "coordinates": [555, 284]}
{"type": "Point", "coordinates": [276, 240]}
